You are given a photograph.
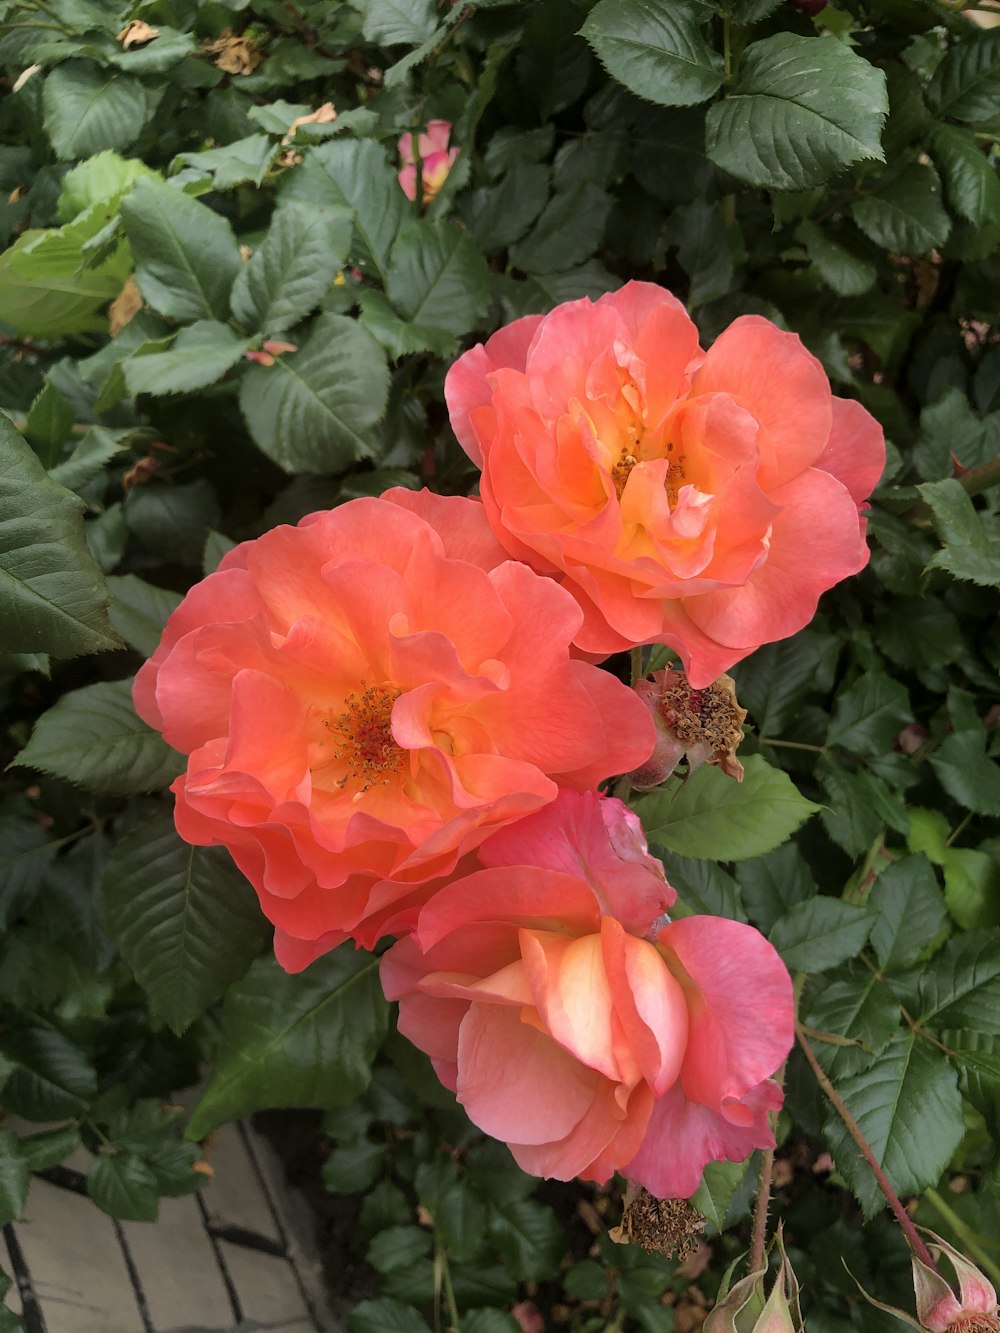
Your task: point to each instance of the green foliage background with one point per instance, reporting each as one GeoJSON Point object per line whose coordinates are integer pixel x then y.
{"type": "Point", "coordinates": [837, 174]}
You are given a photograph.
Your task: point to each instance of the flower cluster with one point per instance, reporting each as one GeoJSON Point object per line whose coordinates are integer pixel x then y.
{"type": "Point", "coordinates": [394, 722]}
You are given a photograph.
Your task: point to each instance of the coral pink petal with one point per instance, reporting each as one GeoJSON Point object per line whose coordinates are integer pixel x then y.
{"type": "Point", "coordinates": [466, 385]}
{"type": "Point", "coordinates": [571, 993]}
{"type": "Point", "coordinates": [783, 386]}
{"type": "Point", "coordinates": [518, 894]}
{"type": "Point", "coordinates": [855, 452]}
{"type": "Point", "coordinates": [543, 1092]}
{"type": "Point", "coordinates": [295, 955]}
{"type": "Point", "coordinates": [462, 524]}
{"type": "Point", "coordinates": [603, 1138]}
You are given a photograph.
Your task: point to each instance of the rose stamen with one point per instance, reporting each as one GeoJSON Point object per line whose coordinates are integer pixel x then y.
{"type": "Point", "coordinates": [364, 739]}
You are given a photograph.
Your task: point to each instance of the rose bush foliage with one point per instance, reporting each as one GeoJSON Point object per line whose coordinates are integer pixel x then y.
{"type": "Point", "coordinates": [220, 311]}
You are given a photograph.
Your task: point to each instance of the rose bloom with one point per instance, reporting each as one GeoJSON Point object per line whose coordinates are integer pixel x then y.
{"type": "Point", "coordinates": [365, 697]}
{"type": "Point", "coordinates": [436, 160]}
{"type": "Point", "coordinates": [702, 500]}
{"type": "Point", "coordinates": [580, 1026]}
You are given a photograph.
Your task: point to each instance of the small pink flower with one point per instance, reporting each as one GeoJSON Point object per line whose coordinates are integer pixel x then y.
{"type": "Point", "coordinates": [578, 1025]}
{"type": "Point", "coordinates": [436, 160]}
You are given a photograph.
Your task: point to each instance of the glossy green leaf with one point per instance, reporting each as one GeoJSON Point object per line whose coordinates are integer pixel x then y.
{"type": "Point", "coordinates": [437, 278]}
{"type": "Point", "coordinates": [53, 1079]}
{"type": "Point", "coordinates": [960, 986]}
{"type": "Point", "coordinates": [719, 1182]}
{"type": "Point", "coordinates": [386, 1316]}
{"type": "Point", "coordinates": [124, 1186]}
{"type": "Point", "coordinates": [568, 231]}
{"type": "Point", "coordinates": [313, 411]}
{"type": "Point", "coordinates": [905, 214]}
{"type": "Point", "coordinates": [139, 610]}
{"type": "Point", "coordinates": [858, 1007]}
{"type": "Point", "coordinates": [52, 594]}
{"type": "Point", "coordinates": [289, 274]}
{"type": "Point", "coordinates": [186, 921]}
{"type": "Point", "coordinates": [186, 256]}
{"type": "Point", "coordinates": [910, 911]}
{"type": "Point", "coordinates": [398, 22]}
{"type": "Point", "coordinates": [93, 737]}
{"type": "Point", "coordinates": [305, 1040]}
{"type": "Point", "coordinates": [771, 885]}
{"type": "Point", "coordinates": [200, 354]}
{"type": "Point", "coordinates": [971, 183]}
{"type": "Point", "coordinates": [710, 815]}
{"type": "Point", "coordinates": [842, 268]}
{"type": "Point", "coordinates": [530, 1238]}
{"type": "Point", "coordinates": [656, 49]}
{"type": "Point", "coordinates": [821, 933]}
{"type": "Point", "coordinates": [85, 111]}
{"type": "Point", "coordinates": [869, 715]}
{"type": "Point", "coordinates": [799, 110]}
{"type": "Point", "coordinates": [966, 84]}
{"type": "Point", "coordinates": [15, 1177]}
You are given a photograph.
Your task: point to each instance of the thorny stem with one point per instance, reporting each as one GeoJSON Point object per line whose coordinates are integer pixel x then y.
{"type": "Point", "coordinates": [902, 1217]}
{"type": "Point", "coordinates": [966, 1235]}
{"type": "Point", "coordinates": [760, 1212]}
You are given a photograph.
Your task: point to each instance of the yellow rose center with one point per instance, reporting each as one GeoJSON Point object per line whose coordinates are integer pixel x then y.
{"type": "Point", "coordinates": [631, 454]}
{"type": "Point", "coordinates": [363, 739]}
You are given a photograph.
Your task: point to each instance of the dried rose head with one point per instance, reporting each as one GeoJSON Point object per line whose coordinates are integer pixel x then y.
{"type": "Point", "coordinates": [705, 725]}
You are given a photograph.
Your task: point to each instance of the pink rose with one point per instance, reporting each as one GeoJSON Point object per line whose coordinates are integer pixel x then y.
{"type": "Point", "coordinates": [436, 160]}
{"type": "Point", "coordinates": [702, 500]}
{"type": "Point", "coordinates": [592, 1044]}
{"type": "Point", "coordinates": [364, 698]}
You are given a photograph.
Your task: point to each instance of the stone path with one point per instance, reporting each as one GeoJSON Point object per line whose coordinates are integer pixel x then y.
{"type": "Point", "coordinates": [236, 1258]}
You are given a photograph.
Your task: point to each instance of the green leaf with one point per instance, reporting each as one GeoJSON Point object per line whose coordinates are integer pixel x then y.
{"type": "Point", "coordinates": [313, 410]}
{"type": "Point", "coordinates": [905, 214]}
{"type": "Point", "coordinates": [859, 1007]}
{"type": "Point", "coordinates": [199, 355]}
{"type": "Point", "coordinates": [173, 521]}
{"type": "Point", "coordinates": [437, 278]}
{"type": "Point", "coordinates": [821, 933]}
{"type": "Point", "coordinates": [719, 1182]}
{"type": "Point", "coordinates": [771, 885]}
{"type": "Point", "coordinates": [962, 768]}
{"type": "Point", "coordinates": [398, 337]}
{"type": "Point", "coordinates": [704, 887]}
{"type": "Point", "coordinates": [710, 815]}
{"type": "Point", "coordinates": [124, 1186]}
{"type": "Point", "coordinates": [353, 1167]}
{"type": "Point", "coordinates": [960, 986]}
{"type": "Point", "coordinates": [398, 22]}
{"type": "Point", "coordinates": [97, 180]}
{"type": "Point", "coordinates": [972, 888]}
{"type": "Point", "coordinates": [156, 57]}
{"type": "Point", "coordinates": [398, 1247]}
{"type": "Point", "coordinates": [355, 174]}
{"type": "Point", "coordinates": [908, 1107]}
{"type": "Point", "coordinates": [969, 553]}
{"type": "Point", "coordinates": [303, 1040]}
{"type": "Point", "coordinates": [52, 1146]}
{"type": "Point", "coordinates": [289, 274]}
{"type": "Point", "coordinates": [233, 164]}
{"type": "Point", "coordinates": [15, 1177]}
{"type": "Point", "coordinates": [186, 921]}
{"type": "Point", "coordinates": [800, 109]}
{"type": "Point", "coordinates": [775, 681]}
{"type": "Point", "coordinates": [90, 456]}
{"type": "Point", "coordinates": [186, 256]}
{"type": "Point", "coordinates": [970, 179]}
{"type": "Point", "coordinates": [655, 48]}
{"type": "Point", "coordinates": [386, 1316]}
{"type": "Point", "coordinates": [27, 853]}
{"type": "Point", "coordinates": [530, 1239]}
{"type": "Point", "coordinates": [489, 1321]}
{"type": "Point", "coordinates": [54, 1079]}
{"type": "Point", "coordinates": [860, 806]}
{"type": "Point", "coordinates": [85, 111]}
{"type": "Point", "coordinates": [139, 611]}
{"type": "Point", "coordinates": [52, 594]}
{"type": "Point", "coordinates": [568, 231]}
{"type": "Point", "coordinates": [842, 269]}
{"type": "Point", "coordinates": [966, 84]}
{"type": "Point", "coordinates": [93, 737]}
{"type": "Point", "coordinates": [910, 912]}
{"type": "Point", "coordinates": [49, 423]}
{"type": "Point", "coordinates": [869, 715]}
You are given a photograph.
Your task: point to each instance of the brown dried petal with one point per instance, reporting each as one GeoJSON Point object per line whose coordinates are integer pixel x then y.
{"type": "Point", "coordinates": [124, 308]}
{"type": "Point", "coordinates": [234, 55]}
{"type": "Point", "coordinates": [661, 1226]}
{"type": "Point", "coordinates": [137, 33]}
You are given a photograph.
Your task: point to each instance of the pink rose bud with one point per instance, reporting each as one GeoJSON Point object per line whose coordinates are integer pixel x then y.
{"type": "Point", "coordinates": [278, 348]}
{"type": "Point", "coordinates": [705, 726]}
{"type": "Point", "coordinates": [436, 160]}
{"type": "Point", "coordinates": [744, 1308]}
{"type": "Point", "coordinates": [939, 1310]}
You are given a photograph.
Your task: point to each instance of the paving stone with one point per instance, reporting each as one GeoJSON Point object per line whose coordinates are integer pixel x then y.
{"type": "Point", "coordinates": [177, 1268]}
{"type": "Point", "coordinates": [269, 1293]}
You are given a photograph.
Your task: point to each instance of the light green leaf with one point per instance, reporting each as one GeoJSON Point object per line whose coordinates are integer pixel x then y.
{"type": "Point", "coordinates": [966, 84]}
{"type": "Point", "coordinates": [233, 164]}
{"type": "Point", "coordinates": [49, 423]}
{"type": "Point", "coordinates": [656, 49]}
{"type": "Point", "coordinates": [398, 22]}
{"type": "Point", "coordinates": [842, 269]}
{"type": "Point", "coordinates": [437, 278]}
{"type": "Point", "coordinates": [186, 256]}
{"type": "Point", "coordinates": [719, 1182]}
{"type": "Point", "coordinates": [869, 715]}
{"type": "Point", "coordinates": [968, 552]}
{"type": "Point", "coordinates": [972, 887]}
{"type": "Point", "coordinates": [186, 921]}
{"type": "Point", "coordinates": [386, 1316]}
{"type": "Point", "coordinates": [85, 111]}
{"type": "Point", "coordinates": [101, 178]}
{"type": "Point", "coordinates": [821, 933]}
{"type": "Point", "coordinates": [52, 594]}
{"type": "Point", "coordinates": [970, 179]}
{"type": "Point", "coordinates": [93, 737]}
{"type": "Point", "coordinates": [710, 815]}
{"type": "Point", "coordinates": [313, 410]}
{"type": "Point", "coordinates": [90, 456]}
{"type": "Point", "coordinates": [302, 1040]}
{"type": "Point", "coordinates": [354, 174]}
{"type": "Point", "coordinates": [124, 1186]}
{"type": "Point", "coordinates": [800, 109]}
{"type": "Point", "coordinates": [198, 356]}
{"type": "Point", "coordinates": [905, 213]}
{"type": "Point", "coordinates": [908, 1107]}
{"type": "Point", "coordinates": [289, 274]}
{"type": "Point", "coordinates": [568, 231]}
